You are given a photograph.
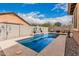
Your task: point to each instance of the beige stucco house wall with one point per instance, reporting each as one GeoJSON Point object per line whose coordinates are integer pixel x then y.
{"type": "Point", "coordinates": [13, 26]}
{"type": "Point", "coordinates": [73, 9]}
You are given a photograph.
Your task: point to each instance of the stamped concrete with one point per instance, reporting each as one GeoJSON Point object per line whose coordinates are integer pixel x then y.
{"type": "Point", "coordinates": [56, 48]}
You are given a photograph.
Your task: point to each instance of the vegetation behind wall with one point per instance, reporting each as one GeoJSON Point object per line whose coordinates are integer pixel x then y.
{"type": "Point", "coordinates": [57, 24]}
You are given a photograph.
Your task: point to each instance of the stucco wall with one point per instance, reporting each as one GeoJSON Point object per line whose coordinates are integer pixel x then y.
{"type": "Point", "coordinates": [2, 31]}
{"type": "Point", "coordinates": [76, 17]}
{"type": "Point", "coordinates": [25, 31]}
{"type": "Point", "coordinates": [13, 31]}
{"type": "Point", "coordinates": [44, 29]}
{"type": "Point", "coordinates": [10, 31]}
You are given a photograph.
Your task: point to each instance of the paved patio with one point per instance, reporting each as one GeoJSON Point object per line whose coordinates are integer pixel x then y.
{"type": "Point", "coordinates": [13, 48]}
{"type": "Point", "coordinates": [56, 48]}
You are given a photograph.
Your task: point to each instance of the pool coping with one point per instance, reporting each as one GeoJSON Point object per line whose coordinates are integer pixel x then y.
{"type": "Point", "coordinates": [11, 42]}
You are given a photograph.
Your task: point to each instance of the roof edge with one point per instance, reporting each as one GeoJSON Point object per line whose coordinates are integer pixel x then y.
{"type": "Point", "coordinates": [15, 15]}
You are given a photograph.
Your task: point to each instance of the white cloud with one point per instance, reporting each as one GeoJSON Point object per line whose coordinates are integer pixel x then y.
{"type": "Point", "coordinates": [62, 6]}
{"type": "Point", "coordinates": [35, 14]}
{"type": "Point", "coordinates": [33, 18]}
{"type": "Point", "coordinates": [65, 20]}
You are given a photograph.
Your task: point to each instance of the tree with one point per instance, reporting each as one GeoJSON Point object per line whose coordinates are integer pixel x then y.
{"type": "Point", "coordinates": [46, 25]}
{"type": "Point", "coordinates": [57, 24]}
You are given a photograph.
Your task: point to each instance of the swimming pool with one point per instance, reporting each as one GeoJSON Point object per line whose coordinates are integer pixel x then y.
{"type": "Point", "coordinates": [38, 41]}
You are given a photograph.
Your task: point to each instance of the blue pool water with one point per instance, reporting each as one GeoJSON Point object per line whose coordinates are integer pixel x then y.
{"type": "Point", "coordinates": [38, 42]}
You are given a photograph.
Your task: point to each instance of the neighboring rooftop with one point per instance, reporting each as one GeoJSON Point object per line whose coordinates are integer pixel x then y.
{"type": "Point", "coordinates": [13, 18]}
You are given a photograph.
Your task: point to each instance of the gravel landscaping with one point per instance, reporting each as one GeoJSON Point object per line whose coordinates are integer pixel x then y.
{"type": "Point", "coordinates": [72, 48]}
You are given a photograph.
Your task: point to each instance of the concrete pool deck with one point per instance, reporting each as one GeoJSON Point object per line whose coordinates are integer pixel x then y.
{"type": "Point", "coordinates": [10, 42]}
{"type": "Point", "coordinates": [56, 48]}
{"type": "Point", "coordinates": [13, 48]}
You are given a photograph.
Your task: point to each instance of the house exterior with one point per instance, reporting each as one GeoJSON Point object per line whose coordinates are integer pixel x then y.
{"type": "Point", "coordinates": [12, 18]}
{"type": "Point", "coordinates": [13, 26]}
{"type": "Point", "coordinates": [73, 9]}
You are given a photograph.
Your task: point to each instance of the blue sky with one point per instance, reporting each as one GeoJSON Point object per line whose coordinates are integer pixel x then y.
{"type": "Point", "coordinates": [48, 10]}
